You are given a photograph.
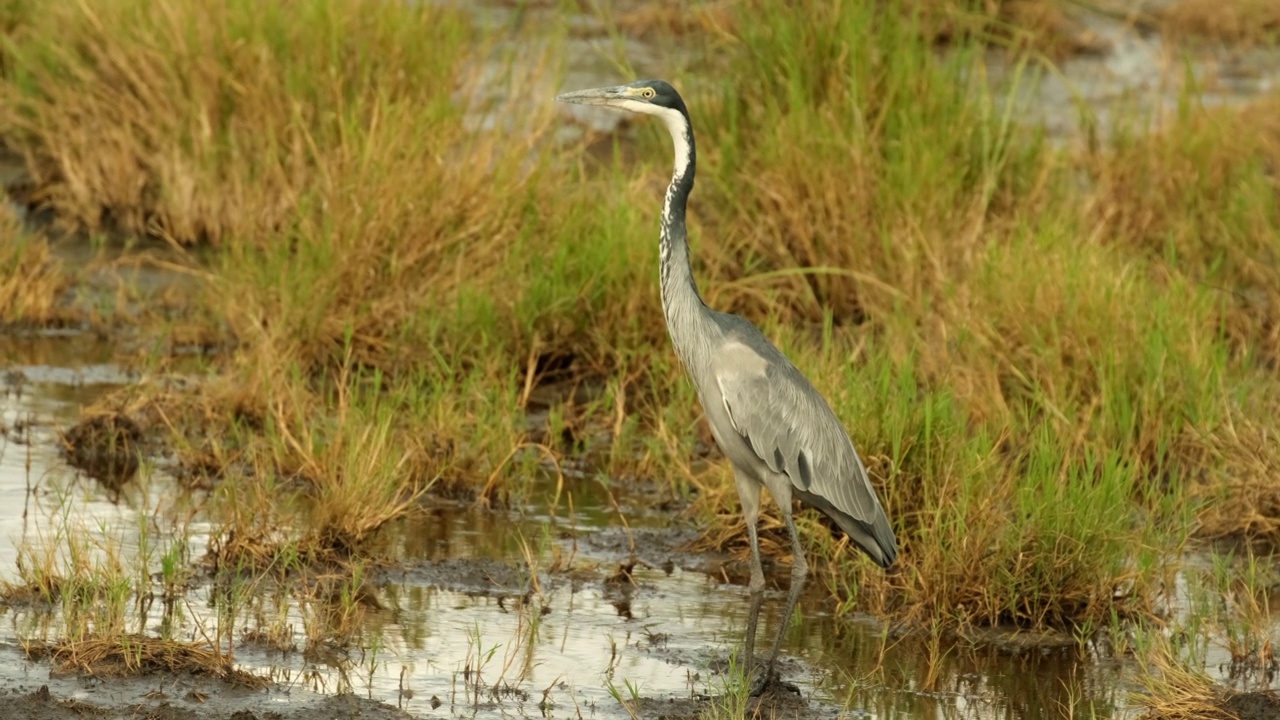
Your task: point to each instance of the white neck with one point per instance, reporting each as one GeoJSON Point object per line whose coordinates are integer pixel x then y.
{"type": "Point", "coordinates": [677, 126]}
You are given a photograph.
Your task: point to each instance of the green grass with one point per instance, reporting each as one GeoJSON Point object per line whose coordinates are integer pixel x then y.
{"type": "Point", "coordinates": [1045, 356]}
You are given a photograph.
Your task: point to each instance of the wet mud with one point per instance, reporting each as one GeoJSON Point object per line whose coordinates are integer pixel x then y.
{"type": "Point", "coordinates": [1254, 705]}
{"type": "Point", "coordinates": [176, 698]}
{"type": "Point", "coordinates": [188, 699]}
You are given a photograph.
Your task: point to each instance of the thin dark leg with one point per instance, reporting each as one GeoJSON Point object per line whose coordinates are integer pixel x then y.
{"type": "Point", "coordinates": [799, 569]}
{"type": "Point", "coordinates": [757, 596]}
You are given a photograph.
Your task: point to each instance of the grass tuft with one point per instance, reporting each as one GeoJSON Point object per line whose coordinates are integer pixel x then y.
{"type": "Point", "coordinates": [32, 279]}
{"type": "Point", "coordinates": [132, 655]}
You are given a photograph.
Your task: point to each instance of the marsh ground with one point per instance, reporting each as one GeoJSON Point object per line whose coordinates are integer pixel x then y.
{"type": "Point", "coordinates": [335, 381]}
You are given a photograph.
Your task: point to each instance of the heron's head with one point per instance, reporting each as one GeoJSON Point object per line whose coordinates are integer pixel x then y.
{"type": "Point", "coordinates": [651, 97]}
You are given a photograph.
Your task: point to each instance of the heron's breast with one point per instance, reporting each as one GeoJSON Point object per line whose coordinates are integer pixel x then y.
{"type": "Point", "coordinates": [734, 446]}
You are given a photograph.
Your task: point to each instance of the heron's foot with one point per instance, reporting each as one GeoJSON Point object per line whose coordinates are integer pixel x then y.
{"type": "Point", "coordinates": [769, 683]}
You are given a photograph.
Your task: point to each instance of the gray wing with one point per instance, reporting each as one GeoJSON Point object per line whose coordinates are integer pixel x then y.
{"type": "Point", "coordinates": [794, 432]}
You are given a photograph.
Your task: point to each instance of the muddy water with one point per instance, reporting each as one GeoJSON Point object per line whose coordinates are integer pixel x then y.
{"type": "Point", "coordinates": [43, 380]}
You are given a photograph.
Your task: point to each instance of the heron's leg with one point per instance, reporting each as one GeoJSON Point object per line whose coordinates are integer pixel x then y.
{"type": "Point", "coordinates": [799, 569]}
{"type": "Point", "coordinates": [749, 496]}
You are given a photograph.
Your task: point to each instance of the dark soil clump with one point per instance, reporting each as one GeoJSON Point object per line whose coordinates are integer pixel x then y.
{"type": "Point", "coordinates": [105, 447]}
{"type": "Point", "coordinates": [778, 705]}
{"type": "Point", "coordinates": [45, 705]}
{"type": "Point", "coordinates": [1254, 705]}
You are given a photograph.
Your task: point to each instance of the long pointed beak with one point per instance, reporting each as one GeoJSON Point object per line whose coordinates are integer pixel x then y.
{"type": "Point", "coordinates": [595, 96]}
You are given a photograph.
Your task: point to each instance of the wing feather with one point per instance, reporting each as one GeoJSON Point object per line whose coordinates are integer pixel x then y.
{"type": "Point", "coordinates": [795, 433]}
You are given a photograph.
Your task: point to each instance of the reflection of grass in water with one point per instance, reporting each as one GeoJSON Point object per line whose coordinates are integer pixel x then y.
{"type": "Point", "coordinates": [85, 594]}
{"type": "Point", "coordinates": [1227, 611]}
{"type": "Point", "coordinates": [490, 676]}
{"type": "Point", "coordinates": [1042, 373]}
{"type": "Point", "coordinates": [1211, 653]}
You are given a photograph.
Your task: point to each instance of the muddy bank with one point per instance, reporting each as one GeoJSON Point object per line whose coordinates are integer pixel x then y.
{"type": "Point", "coordinates": [179, 698]}
{"type": "Point", "coordinates": [176, 698]}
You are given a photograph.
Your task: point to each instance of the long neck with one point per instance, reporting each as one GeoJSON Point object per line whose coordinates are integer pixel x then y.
{"type": "Point", "coordinates": [681, 303]}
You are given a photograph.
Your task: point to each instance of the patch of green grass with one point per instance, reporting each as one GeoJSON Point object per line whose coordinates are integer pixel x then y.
{"type": "Point", "coordinates": [309, 491]}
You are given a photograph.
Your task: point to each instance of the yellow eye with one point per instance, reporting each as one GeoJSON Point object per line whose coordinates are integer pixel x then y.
{"type": "Point", "coordinates": [648, 93]}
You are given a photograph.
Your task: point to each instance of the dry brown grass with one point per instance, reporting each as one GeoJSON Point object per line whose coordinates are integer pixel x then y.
{"type": "Point", "coordinates": [141, 154]}
{"type": "Point", "coordinates": [1040, 25]}
{"type": "Point", "coordinates": [1236, 22]}
{"type": "Point", "coordinates": [1239, 495]}
{"type": "Point", "coordinates": [32, 280]}
{"type": "Point", "coordinates": [130, 655]}
{"type": "Point", "coordinates": [675, 19]}
{"type": "Point", "coordinates": [186, 130]}
{"type": "Point", "coordinates": [1189, 198]}
{"type": "Point", "coordinates": [1173, 691]}
{"type": "Point", "coordinates": [1192, 701]}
